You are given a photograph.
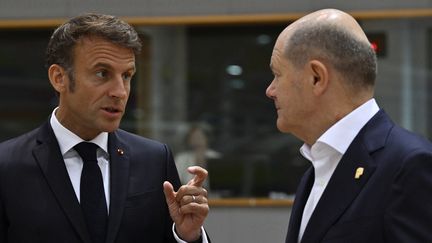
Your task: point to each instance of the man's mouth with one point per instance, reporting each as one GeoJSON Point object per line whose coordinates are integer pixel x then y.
{"type": "Point", "coordinates": [112, 109]}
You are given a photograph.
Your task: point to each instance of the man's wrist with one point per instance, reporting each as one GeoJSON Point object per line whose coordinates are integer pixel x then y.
{"type": "Point", "coordinates": [177, 235]}
{"type": "Point", "coordinates": [199, 240]}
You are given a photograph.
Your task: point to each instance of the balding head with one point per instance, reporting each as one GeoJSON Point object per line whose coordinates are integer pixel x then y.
{"type": "Point", "coordinates": [333, 17]}
{"type": "Point", "coordinates": [335, 38]}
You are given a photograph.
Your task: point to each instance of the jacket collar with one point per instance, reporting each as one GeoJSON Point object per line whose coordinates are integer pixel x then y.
{"type": "Point", "coordinates": [119, 154]}
{"type": "Point", "coordinates": [48, 156]}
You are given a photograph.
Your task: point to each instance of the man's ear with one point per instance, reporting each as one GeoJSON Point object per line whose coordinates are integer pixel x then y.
{"type": "Point", "coordinates": [58, 77]}
{"type": "Point", "coordinates": [319, 76]}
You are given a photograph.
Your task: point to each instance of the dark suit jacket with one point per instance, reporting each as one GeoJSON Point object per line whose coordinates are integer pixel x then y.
{"type": "Point", "coordinates": [38, 203]}
{"type": "Point", "coordinates": [391, 201]}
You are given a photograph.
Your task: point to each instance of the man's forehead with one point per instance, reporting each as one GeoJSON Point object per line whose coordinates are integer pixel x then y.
{"type": "Point", "coordinates": [95, 43]}
{"type": "Point", "coordinates": [284, 36]}
{"type": "Point", "coordinates": [91, 40]}
{"type": "Point", "coordinates": [279, 46]}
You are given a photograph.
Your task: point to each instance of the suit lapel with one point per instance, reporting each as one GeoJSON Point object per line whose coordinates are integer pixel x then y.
{"type": "Point", "coordinates": [301, 197]}
{"type": "Point", "coordinates": [343, 187]}
{"type": "Point", "coordinates": [339, 193]}
{"type": "Point", "coordinates": [119, 170]}
{"type": "Point", "coordinates": [48, 156]}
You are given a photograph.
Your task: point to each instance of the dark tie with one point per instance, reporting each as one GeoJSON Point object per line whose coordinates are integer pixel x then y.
{"type": "Point", "coordinates": [92, 196]}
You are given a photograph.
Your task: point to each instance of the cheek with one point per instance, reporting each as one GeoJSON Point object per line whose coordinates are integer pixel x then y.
{"type": "Point", "coordinates": [127, 88]}
{"type": "Point", "coordinates": [127, 93]}
{"type": "Point", "coordinates": [285, 98]}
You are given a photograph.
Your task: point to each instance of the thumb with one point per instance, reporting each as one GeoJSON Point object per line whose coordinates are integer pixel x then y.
{"type": "Point", "coordinates": [169, 193]}
{"type": "Point", "coordinates": [170, 197]}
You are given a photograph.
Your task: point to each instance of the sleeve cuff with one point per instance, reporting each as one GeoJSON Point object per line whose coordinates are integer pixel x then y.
{"type": "Point", "coordinates": [203, 235]}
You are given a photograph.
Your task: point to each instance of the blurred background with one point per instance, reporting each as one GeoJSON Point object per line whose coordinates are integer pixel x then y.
{"type": "Point", "coordinates": [200, 88]}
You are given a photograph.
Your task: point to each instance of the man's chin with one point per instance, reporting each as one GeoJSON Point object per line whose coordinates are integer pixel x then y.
{"type": "Point", "coordinates": [111, 127]}
{"type": "Point", "coordinates": [282, 127]}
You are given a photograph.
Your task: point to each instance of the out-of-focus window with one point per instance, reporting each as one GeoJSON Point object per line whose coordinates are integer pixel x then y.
{"type": "Point", "coordinates": [228, 73]}
{"type": "Point", "coordinates": [26, 97]}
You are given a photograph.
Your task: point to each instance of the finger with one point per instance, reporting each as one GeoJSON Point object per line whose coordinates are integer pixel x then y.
{"type": "Point", "coordinates": [199, 210]}
{"type": "Point", "coordinates": [188, 199]}
{"type": "Point", "coordinates": [170, 195]}
{"type": "Point", "coordinates": [199, 200]}
{"type": "Point", "coordinates": [188, 191]}
{"type": "Point", "coordinates": [193, 199]}
{"type": "Point", "coordinates": [200, 176]}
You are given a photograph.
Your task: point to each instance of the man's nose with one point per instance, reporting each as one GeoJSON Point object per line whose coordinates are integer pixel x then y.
{"type": "Point", "coordinates": [119, 88]}
{"type": "Point", "coordinates": [270, 91]}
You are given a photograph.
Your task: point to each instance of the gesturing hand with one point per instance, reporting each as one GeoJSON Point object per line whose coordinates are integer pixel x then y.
{"type": "Point", "coordinates": [188, 206]}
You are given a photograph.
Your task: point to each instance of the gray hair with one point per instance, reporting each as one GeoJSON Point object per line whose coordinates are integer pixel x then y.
{"type": "Point", "coordinates": [352, 58]}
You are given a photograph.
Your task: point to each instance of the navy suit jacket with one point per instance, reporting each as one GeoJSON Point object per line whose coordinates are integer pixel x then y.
{"type": "Point", "coordinates": [38, 203]}
{"type": "Point", "coordinates": [391, 202]}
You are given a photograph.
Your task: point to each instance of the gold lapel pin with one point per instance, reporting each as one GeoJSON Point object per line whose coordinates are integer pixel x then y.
{"type": "Point", "coordinates": [120, 151]}
{"type": "Point", "coordinates": [359, 172]}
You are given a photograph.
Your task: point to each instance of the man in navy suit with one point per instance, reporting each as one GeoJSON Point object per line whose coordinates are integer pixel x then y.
{"type": "Point", "coordinates": [45, 196]}
{"type": "Point", "coordinates": [371, 181]}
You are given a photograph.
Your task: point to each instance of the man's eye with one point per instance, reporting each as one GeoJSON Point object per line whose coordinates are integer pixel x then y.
{"type": "Point", "coordinates": [127, 76]}
{"type": "Point", "coordinates": [101, 74]}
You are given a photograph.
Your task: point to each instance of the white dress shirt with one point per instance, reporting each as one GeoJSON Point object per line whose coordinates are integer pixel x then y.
{"type": "Point", "coordinates": [74, 164]}
{"type": "Point", "coordinates": [328, 150]}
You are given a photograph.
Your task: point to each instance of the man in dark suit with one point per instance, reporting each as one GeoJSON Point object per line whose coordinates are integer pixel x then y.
{"type": "Point", "coordinates": [78, 178]}
{"type": "Point", "coordinates": [371, 181]}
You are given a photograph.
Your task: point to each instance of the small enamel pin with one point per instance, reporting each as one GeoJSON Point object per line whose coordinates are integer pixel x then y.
{"type": "Point", "coordinates": [120, 151]}
{"type": "Point", "coordinates": [359, 173]}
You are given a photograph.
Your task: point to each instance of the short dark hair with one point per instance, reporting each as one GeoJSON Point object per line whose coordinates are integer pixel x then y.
{"type": "Point", "coordinates": [63, 40]}
{"type": "Point", "coordinates": [351, 57]}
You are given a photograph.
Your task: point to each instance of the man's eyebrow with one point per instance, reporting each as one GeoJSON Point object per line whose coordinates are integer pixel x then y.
{"type": "Point", "coordinates": [108, 66]}
{"type": "Point", "coordinates": [132, 68]}
{"type": "Point", "coordinates": [103, 65]}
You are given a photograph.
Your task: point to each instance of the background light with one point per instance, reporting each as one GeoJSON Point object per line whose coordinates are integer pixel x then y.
{"type": "Point", "coordinates": [234, 70]}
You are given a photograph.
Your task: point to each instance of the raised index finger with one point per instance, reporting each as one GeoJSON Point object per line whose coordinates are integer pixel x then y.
{"type": "Point", "coordinates": [200, 176]}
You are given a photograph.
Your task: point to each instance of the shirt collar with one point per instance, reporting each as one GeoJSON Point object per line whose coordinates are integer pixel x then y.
{"type": "Point", "coordinates": [342, 133]}
{"type": "Point", "coordinates": [67, 139]}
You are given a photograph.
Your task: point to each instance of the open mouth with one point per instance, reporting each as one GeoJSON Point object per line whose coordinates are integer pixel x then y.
{"type": "Point", "coordinates": [111, 110]}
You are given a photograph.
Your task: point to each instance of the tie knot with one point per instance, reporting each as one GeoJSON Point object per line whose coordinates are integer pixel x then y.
{"type": "Point", "coordinates": [87, 151]}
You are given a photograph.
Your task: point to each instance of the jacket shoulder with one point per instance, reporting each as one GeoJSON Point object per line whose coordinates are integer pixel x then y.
{"type": "Point", "coordinates": [24, 141]}
{"type": "Point", "coordinates": [129, 137]}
